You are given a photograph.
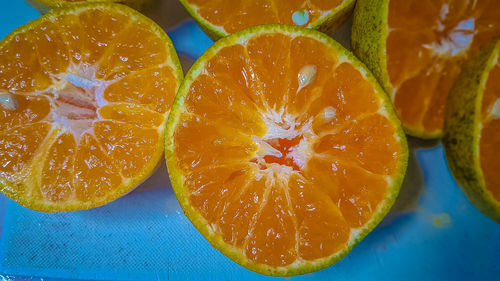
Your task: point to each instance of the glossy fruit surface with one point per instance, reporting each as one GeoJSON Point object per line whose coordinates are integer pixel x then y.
{"type": "Point", "coordinates": [83, 107]}
{"type": "Point", "coordinates": [472, 130]}
{"type": "Point", "coordinates": [219, 18]}
{"type": "Point", "coordinates": [416, 49]}
{"type": "Point", "coordinates": [283, 150]}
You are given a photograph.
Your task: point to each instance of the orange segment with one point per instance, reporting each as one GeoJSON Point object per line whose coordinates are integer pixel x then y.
{"type": "Point", "coordinates": [285, 10]}
{"type": "Point", "coordinates": [131, 114]}
{"type": "Point", "coordinates": [51, 48]}
{"type": "Point", "coordinates": [20, 67]}
{"type": "Point", "coordinates": [237, 75]}
{"type": "Point", "coordinates": [282, 149]}
{"type": "Point", "coordinates": [491, 93]}
{"type": "Point", "coordinates": [358, 143]}
{"type": "Point", "coordinates": [129, 147]}
{"type": "Point", "coordinates": [489, 157]}
{"type": "Point", "coordinates": [350, 97]}
{"type": "Point", "coordinates": [305, 53]}
{"type": "Point", "coordinates": [101, 39]}
{"type": "Point", "coordinates": [400, 65]}
{"type": "Point", "coordinates": [413, 14]}
{"type": "Point", "coordinates": [272, 237]}
{"type": "Point", "coordinates": [346, 184]}
{"type": "Point", "coordinates": [427, 43]}
{"type": "Point", "coordinates": [57, 174]}
{"type": "Point", "coordinates": [208, 182]}
{"type": "Point", "coordinates": [244, 14]}
{"type": "Point", "coordinates": [76, 39]}
{"type": "Point", "coordinates": [221, 17]}
{"type": "Point", "coordinates": [323, 173]}
{"type": "Point", "coordinates": [216, 16]}
{"type": "Point", "coordinates": [221, 145]}
{"type": "Point", "coordinates": [489, 154]}
{"type": "Point", "coordinates": [238, 213]}
{"type": "Point", "coordinates": [83, 103]}
{"type": "Point", "coordinates": [94, 173]}
{"type": "Point", "coordinates": [322, 228]}
{"type": "Point", "coordinates": [31, 109]}
{"type": "Point", "coordinates": [19, 146]}
{"type": "Point", "coordinates": [275, 78]}
{"type": "Point", "coordinates": [138, 88]}
{"type": "Point", "coordinates": [361, 194]}
{"type": "Point", "coordinates": [436, 103]}
{"type": "Point", "coordinates": [227, 106]}
{"type": "Point", "coordinates": [136, 48]}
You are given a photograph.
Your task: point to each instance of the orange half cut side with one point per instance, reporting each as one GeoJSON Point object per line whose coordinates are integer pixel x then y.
{"type": "Point", "coordinates": [283, 150]}
{"type": "Point", "coordinates": [220, 18]}
{"type": "Point", "coordinates": [416, 49]}
{"type": "Point", "coordinates": [472, 130]}
{"type": "Point", "coordinates": [85, 93]}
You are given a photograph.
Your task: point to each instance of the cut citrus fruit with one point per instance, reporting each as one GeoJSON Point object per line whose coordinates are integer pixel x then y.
{"type": "Point", "coordinates": [219, 18]}
{"type": "Point", "coordinates": [415, 48]}
{"type": "Point", "coordinates": [283, 150]}
{"type": "Point", "coordinates": [472, 130]}
{"type": "Point", "coordinates": [84, 97]}
{"type": "Point", "coordinates": [43, 6]}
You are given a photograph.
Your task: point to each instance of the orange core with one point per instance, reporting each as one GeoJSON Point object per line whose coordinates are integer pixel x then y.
{"type": "Point", "coordinates": [286, 147]}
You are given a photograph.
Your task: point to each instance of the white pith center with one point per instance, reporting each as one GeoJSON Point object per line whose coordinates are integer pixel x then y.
{"type": "Point", "coordinates": [453, 42]}
{"type": "Point", "coordinates": [76, 97]}
{"type": "Point", "coordinates": [284, 126]}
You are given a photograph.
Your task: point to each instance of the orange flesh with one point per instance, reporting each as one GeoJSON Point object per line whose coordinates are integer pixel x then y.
{"type": "Point", "coordinates": [237, 15]}
{"type": "Point", "coordinates": [490, 134]}
{"type": "Point", "coordinates": [281, 171]}
{"type": "Point", "coordinates": [284, 146]}
{"type": "Point", "coordinates": [427, 43]}
{"type": "Point", "coordinates": [91, 138]}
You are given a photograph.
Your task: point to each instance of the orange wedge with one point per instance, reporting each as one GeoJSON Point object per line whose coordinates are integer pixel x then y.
{"type": "Point", "coordinates": [283, 150]}
{"type": "Point", "coordinates": [84, 96]}
{"type": "Point", "coordinates": [416, 49]}
{"type": "Point", "coordinates": [472, 130]}
{"type": "Point", "coordinates": [219, 18]}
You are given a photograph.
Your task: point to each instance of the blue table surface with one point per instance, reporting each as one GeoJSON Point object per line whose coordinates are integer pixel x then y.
{"type": "Point", "coordinates": [433, 232]}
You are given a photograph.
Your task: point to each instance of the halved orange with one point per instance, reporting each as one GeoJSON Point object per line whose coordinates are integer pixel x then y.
{"type": "Point", "coordinates": [219, 18]}
{"type": "Point", "coordinates": [472, 130]}
{"type": "Point", "coordinates": [43, 6]}
{"type": "Point", "coordinates": [416, 48]}
{"type": "Point", "coordinates": [283, 150]}
{"type": "Point", "coordinates": [84, 96]}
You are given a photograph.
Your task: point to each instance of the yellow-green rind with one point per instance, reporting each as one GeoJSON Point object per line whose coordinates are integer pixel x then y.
{"type": "Point", "coordinates": [7, 188]}
{"type": "Point", "coordinates": [328, 22]}
{"type": "Point", "coordinates": [369, 31]}
{"type": "Point", "coordinates": [368, 39]}
{"type": "Point", "coordinates": [177, 178]}
{"type": "Point", "coordinates": [44, 6]}
{"type": "Point", "coordinates": [462, 129]}
{"type": "Point", "coordinates": [421, 133]}
{"type": "Point", "coordinates": [211, 30]}
{"type": "Point", "coordinates": [337, 17]}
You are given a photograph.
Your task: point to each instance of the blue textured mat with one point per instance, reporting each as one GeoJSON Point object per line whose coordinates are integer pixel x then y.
{"type": "Point", "coordinates": [145, 236]}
